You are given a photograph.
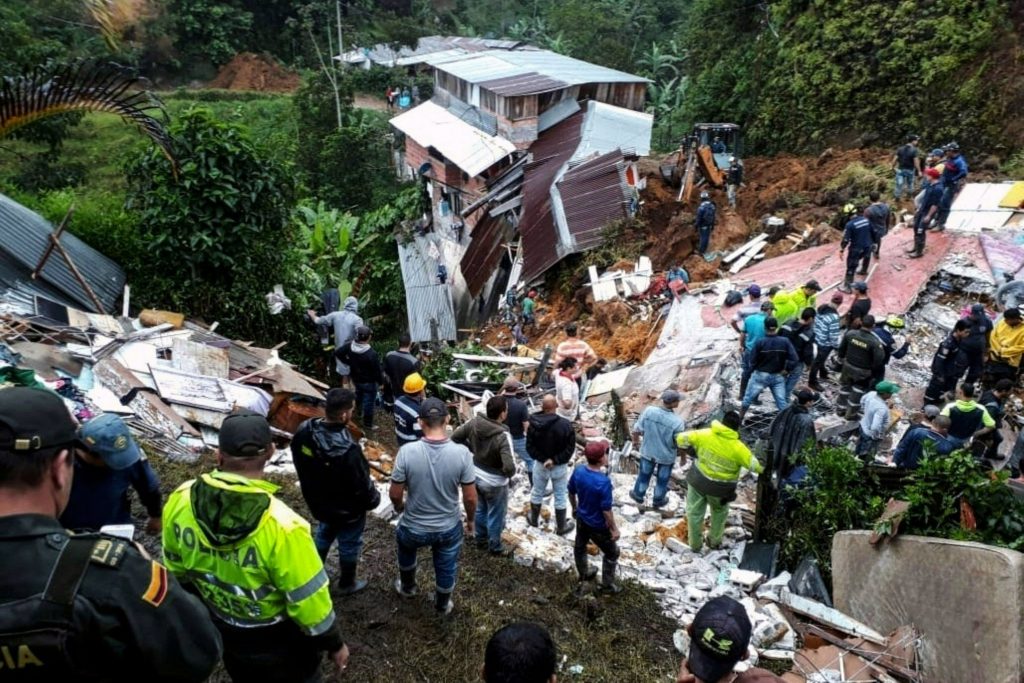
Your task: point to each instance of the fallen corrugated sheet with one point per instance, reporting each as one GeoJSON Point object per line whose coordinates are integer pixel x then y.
{"type": "Point", "coordinates": [486, 246]}
{"type": "Point", "coordinates": [24, 238]}
{"type": "Point", "coordinates": [428, 302]}
{"type": "Point", "coordinates": [466, 146]}
{"type": "Point", "coordinates": [977, 208]}
{"type": "Point", "coordinates": [541, 244]}
{"type": "Point", "coordinates": [593, 195]}
{"type": "Point", "coordinates": [556, 114]}
{"type": "Point", "coordinates": [895, 283]}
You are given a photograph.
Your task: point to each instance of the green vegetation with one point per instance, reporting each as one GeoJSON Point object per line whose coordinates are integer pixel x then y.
{"type": "Point", "coordinates": [842, 494]}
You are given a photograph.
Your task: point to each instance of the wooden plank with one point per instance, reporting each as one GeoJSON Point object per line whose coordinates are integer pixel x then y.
{"type": "Point", "coordinates": [510, 360]}
{"type": "Point", "coordinates": [830, 617]}
{"type": "Point", "coordinates": [744, 249]}
{"type": "Point", "coordinates": [736, 267]}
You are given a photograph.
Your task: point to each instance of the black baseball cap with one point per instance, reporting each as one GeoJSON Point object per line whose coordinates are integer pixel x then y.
{"type": "Point", "coordinates": [37, 420]}
{"type": "Point", "coordinates": [433, 408]}
{"type": "Point", "coordinates": [244, 434]}
{"type": "Point", "coordinates": [721, 634]}
{"type": "Point", "coordinates": [804, 395]}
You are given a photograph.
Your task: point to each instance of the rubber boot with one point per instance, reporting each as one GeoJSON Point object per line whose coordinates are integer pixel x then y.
{"type": "Point", "coordinates": [406, 583]}
{"type": "Point", "coordinates": [608, 584]}
{"type": "Point", "coordinates": [563, 526]}
{"type": "Point", "coordinates": [443, 602]}
{"type": "Point", "coordinates": [348, 583]}
{"type": "Point", "coordinates": [534, 515]}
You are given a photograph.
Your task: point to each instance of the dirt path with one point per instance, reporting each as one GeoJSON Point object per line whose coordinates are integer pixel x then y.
{"type": "Point", "coordinates": [370, 102]}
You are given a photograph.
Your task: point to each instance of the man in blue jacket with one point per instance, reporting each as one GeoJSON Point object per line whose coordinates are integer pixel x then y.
{"type": "Point", "coordinates": [954, 174]}
{"type": "Point", "coordinates": [918, 439]}
{"type": "Point", "coordinates": [859, 237]}
{"type": "Point", "coordinates": [707, 214]}
{"type": "Point", "coordinates": [112, 464]}
{"type": "Point", "coordinates": [931, 199]}
{"type": "Point", "coordinates": [773, 356]}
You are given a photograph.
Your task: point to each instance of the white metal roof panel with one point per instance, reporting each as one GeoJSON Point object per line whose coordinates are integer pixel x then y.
{"type": "Point", "coordinates": [428, 303]}
{"type": "Point", "coordinates": [607, 128]}
{"type": "Point", "coordinates": [466, 146]}
{"type": "Point", "coordinates": [492, 64]}
{"type": "Point", "coordinates": [977, 208]}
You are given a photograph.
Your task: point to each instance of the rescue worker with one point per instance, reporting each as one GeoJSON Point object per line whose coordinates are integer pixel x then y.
{"type": "Point", "coordinates": [707, 214]}
{"type": "Point", "coordinates": [771, 358]}
{"type": "Point", "coordinates": [876, 419]}
{"type": "Point", "coordinates": [733, 180]}
{"type": "Point", "coordinates": [713, 478]}
{"type": "Point", "coordinates": [717, 146]}
{"type": "Point", "coordinates": [894, 346]}
{"type": "Point", "coordinates": [862, 354]}
{"type": "Point", "coordinates": [788, 305]}
{"type": "Point", "coordinates": [858, 237]}
{"type": "Point", "coordinates": [944, 365]}
{"type": "Point", "coordinates": [931, 199]}
{"type": "Point", "coordinates": [994, 402]}
{"type": "Point", "coordinates": [253, 562]}
{"type": "Point", "coordinates": [801, 335]}
{"type": "Point", "coordinates": [86, 607]}
{"type": "Point", "coordinates": [880, 217]}
{"type": "Point", "coordinates": [968, 418]}
{"type": "Point", "coordinates": [753, 329]}
{"type": "Point", "coordinates": [934, 437]}
{"type": "Point", "coordinates": [826, 338]}
{"type": "Point", "coordinates": [344, 323]}
{"type": "Point", "coordinates": [975, 346]}
{"type": "Point", "coordinates": [859, 307]}
{"type": "Point", "coordinates": [907, 164]}
{"type": "Point", "coordinates": [407, 409]}
{"type": "Point", "coordinates": [1006, 346]}
{"type": "Point", "coordinates": [954, 175]}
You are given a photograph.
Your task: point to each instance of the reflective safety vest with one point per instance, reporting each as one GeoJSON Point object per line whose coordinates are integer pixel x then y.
{"type": "Point", "coordinates": [271, 574]}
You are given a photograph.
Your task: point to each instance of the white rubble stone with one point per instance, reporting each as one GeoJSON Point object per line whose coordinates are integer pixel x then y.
{"type": "Point", "coordinates": [385, 511]}
{"type": "Point", "coordinates": [725, 590]}
{"type": "Point", "coordinates": [735, 532]}
{"type": "Point", "coordinates": [681, 640]}
{"type": "Point", "coordinates": [744, 579]}
{"type": "Point", "coordinates": [675, 545]}
{"type": "Point", "coordinates": [695, 596]}
{"type": "Point", "coordinates": [654, 545]}
{"type": "Point", "coordinates": [647, 525]}
{"type": "Point", "coordinates": [630, 513]}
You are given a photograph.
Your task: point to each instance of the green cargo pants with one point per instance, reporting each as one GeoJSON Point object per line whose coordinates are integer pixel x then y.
{"type": "Point", "coordinates": [696, 505]}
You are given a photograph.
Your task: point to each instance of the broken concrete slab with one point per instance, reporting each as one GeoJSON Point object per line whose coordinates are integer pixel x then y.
{"type": "Point", "coordinates": [967, 606]}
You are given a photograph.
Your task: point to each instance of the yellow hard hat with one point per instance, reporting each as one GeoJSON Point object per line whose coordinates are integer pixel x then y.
{"type": "Point", "coordinates": [895, 321]}
{"type": "Point", "coordinates": [414, 383]}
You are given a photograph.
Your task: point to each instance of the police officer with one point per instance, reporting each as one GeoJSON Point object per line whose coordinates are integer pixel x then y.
{"type": "Point", "coordinates": [80, 607]}
{"type": "Point", "coordinates": [858, 236]}
{"type": "Point", "coordinates": [862, 355]}
{"type": "Point", "coordinates": [944, 364]}
{"type": "Point", "coordinates": [705, 221]}
{"type": "Point", "coordinates": [253, 562]}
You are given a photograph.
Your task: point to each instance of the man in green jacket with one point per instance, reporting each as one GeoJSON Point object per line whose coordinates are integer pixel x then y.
{"type": "Point", "coordinates": [788, 305]}
{"type": "Point", "coordinates": [251, 559]}
{"type": "Point", "coordinates": [712, 480]}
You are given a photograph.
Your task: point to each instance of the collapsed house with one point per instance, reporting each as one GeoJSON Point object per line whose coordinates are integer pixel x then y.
{"type": "Point", "coordinates": [526, 156]}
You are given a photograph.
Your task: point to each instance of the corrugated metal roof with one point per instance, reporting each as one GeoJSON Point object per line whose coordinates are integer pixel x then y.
{"type": "Point", "coordinates": [541, 243]}
{"type": "Point", "coordinates": [523, 84]}
{"type": "Point", "coordinates": [442, 46]}
{"type": "Point", "coordinates": [491, 65]}
{"type": "Point", "coordinates": [426, 300]}
{"type": "Point", "coordinates": [24, 236]}
{"type": "Point", "coordinates": [484, 252]}
{"type": "Point", "coordinates": [466, 146]}
{"type": "Point", "coordinates": [474, 116]}
{"type": "Point", "coordinates": [977, 208]}
{"type": "Point", "coordinates": [607, 128]}
{"type": "Point", "coordinates": [558, 113]}
{"type": "Point", "coordinates": [594, 194]}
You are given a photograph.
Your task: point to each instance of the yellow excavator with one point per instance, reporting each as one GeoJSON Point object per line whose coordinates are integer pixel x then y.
{"type": "Point", "coordinates": [704, 156]}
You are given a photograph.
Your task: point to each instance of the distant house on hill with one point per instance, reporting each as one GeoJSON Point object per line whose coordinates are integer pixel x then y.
{"type": "Point", "coordinates": [389, 55]}
{"type": "Point", "coordinates": [527, 155]}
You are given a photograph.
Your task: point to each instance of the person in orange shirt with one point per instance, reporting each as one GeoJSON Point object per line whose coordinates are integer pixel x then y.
{"type": "Point", "coordinates": [574, 347]}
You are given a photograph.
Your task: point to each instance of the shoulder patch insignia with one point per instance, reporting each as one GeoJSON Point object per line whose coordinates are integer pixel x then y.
{"type": "Point", "coordinates": [158, 585]}
{"type": "Point", "coordinates": [108, 551]}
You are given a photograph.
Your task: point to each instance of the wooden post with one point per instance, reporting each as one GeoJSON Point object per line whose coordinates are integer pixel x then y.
{"type": "Point", "coordinates": [50, 246]}
{"type": "Point", "coordinates": [78, 276]}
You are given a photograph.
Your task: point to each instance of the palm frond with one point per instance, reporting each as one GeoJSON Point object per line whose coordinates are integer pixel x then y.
{"type": "Point", "coordinates": [107, 13]}
{"type": "Point", "coordinates": [82, 86]}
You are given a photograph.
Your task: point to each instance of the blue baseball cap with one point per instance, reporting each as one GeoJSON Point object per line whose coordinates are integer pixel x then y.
{"type": "Point", "coordinates": [108, 437]}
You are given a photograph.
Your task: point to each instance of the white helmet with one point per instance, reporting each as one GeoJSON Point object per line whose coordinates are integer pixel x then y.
{"type": "Point", "coordinates": [705, 195]}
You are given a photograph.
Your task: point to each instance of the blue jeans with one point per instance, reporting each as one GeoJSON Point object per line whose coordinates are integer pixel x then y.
{"type": "Point", "coordinates": [948, 195]}
{"type": "Point", "coordinates": [759, 381]}
{"type": "Point", "coordinates": [366, 397]}
{"type": "Point", "coordinates": [491, 506]}
{"type": "Point", "coordinates": [904, 178]}
{"type": "Point", "coordinates": [348, 536]}
{"type": "Point", "coordinates": [747, 371]}
{"type": "Point", "coordinates": [519, 446]}
{"type": "Point", "coordinates": [866, 446]}
{"type": "Point", "coordinates": [444, 545]}
{"type": "Point", "coordinates": [559, 478]}
{"type": "Point", "coordinates": [705, 238]}
{"type": "Point", "coordinates": [643, 480]}
{"type": "Point", "coordinates": [793, 378]}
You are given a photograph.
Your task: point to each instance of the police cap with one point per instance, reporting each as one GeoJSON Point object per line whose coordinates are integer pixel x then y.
{"type": "Point", "coordinates": [35, 419]}
{"type": "Point", "coordinates": [244, 434]}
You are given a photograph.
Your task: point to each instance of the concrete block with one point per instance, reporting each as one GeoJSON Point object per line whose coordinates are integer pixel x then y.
{"type": "Point", "coordinates": [630, 512]}
{"type": "Point", "coordinates": [676, 546]}
{"type": "Point", "coordinates": [966, 599]}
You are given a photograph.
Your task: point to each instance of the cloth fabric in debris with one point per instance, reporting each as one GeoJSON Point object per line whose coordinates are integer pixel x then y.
{"type": "Point", "coordinates": [19, 377]}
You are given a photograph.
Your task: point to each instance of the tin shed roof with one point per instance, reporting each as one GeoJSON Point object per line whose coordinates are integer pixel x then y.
{"type": "Point", "coordinates": [466, 146]}
{"type": "Point", "coordinates": [594, 194]}
{"type": "Point", "coordinates": [24, 237]}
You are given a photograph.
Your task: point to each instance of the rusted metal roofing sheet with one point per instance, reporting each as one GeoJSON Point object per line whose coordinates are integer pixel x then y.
{"type": "Point", "coordinates": [486, 245]}
{"type": "Point", "coordinates": [466, 146]}
{"type": "Point", "coordinates": [541, 244]}
{"type": "Point", "coordinates": [523, 84]}
{"type": "Point", "coordinates": [25, 235]}
{"type": "Point", "coordinates": [594, 194]}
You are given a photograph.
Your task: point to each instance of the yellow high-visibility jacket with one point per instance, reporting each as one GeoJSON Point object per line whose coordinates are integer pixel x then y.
{"type": "Point", "coordinates": [250, 556]}
{"type": "Point", "coordinates": [789, 305]}
{"type": "Point", "coordinates": [1007, 342]}
{"type": "Point", "coordinates": [720, 453]}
